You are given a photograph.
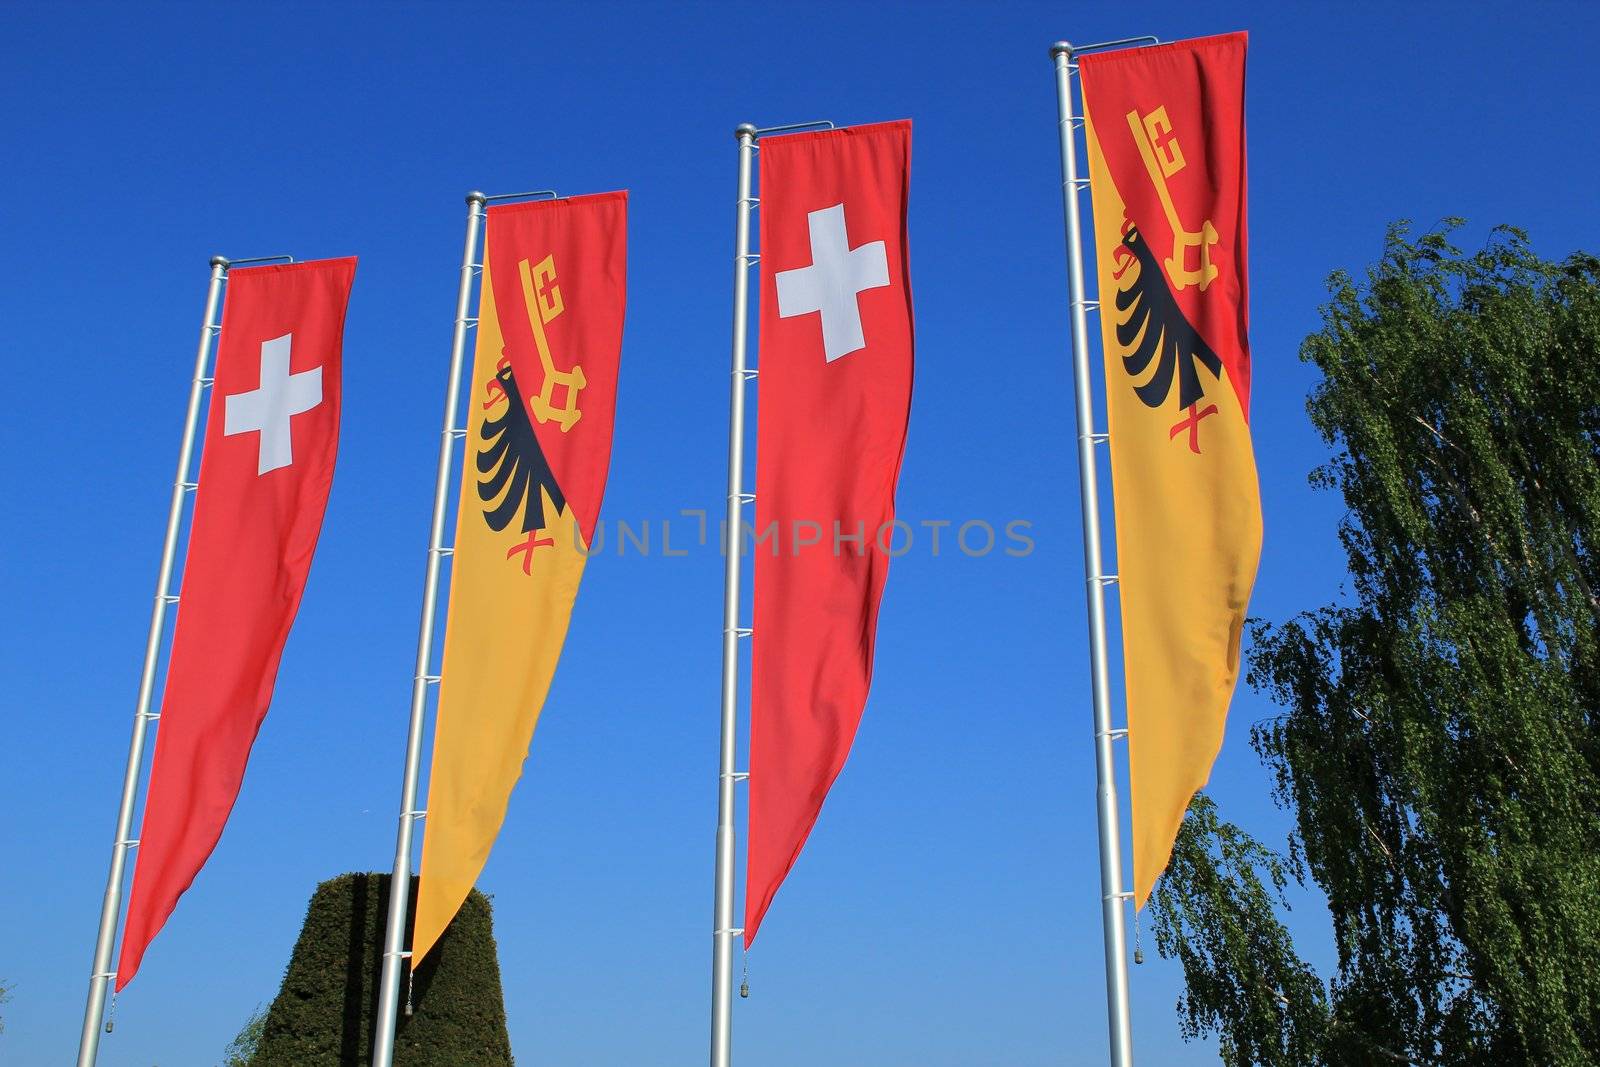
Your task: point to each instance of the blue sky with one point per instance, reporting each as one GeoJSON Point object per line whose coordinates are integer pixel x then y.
{"type": "Point", "coordinates": [944, 913]}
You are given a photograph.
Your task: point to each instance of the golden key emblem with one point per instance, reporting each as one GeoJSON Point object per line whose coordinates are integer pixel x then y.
{"type": "Point", "coordinates": [1158, 147]}
{"type": "Point", "coordinates": [543, 299]}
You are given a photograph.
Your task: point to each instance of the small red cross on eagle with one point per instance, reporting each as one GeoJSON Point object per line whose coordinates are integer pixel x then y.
{"type": "Point", "coordinates": [1192, 424]}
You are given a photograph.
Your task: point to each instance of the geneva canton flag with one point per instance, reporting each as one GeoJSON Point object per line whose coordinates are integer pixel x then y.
{"type": "Point", "coordinates": [1167, 168]}
{"type": "Point", "coordinates": [835, 394]}
{"type": "Point", "coordinates": [544, 385]}
{"type": "Point", "coordinates": [265, 471]}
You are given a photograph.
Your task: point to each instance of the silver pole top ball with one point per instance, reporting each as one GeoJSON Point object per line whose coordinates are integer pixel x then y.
{"type": "Point", "coordinates": [1061, 48]}
{"type": "Point", "coordinates": [476, 197]}
{"type": "Point", "coordinates": [220, 261]}
{"type": "Point", "coordinates": [744, 128]}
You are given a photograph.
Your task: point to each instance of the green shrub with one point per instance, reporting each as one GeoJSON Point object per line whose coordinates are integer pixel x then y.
{"type": "Point", "coordinates": [323, 1015]}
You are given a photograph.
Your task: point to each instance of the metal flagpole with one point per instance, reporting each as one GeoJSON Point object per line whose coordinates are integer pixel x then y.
{"type": "Point", "coordinates": [1112, 895]}
{"type": "Point", "coordinates": [394, 952]}
{"type": "Point", "coordinates": [723, 931]}
{"type": "Point", "coordinates": [722, 928]}
{"type": "Point", "coordinates": [101, 976]}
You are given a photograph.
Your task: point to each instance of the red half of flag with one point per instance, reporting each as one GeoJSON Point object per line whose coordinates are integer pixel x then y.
{"type": "Point", "coordinates": [559, 270]}
{"type": "Point", "coordinates": [1184, 194]}
{"type": "Point", "coordinates": [265, 471]}
{"type": "Point", "coordinates": [835, 394]}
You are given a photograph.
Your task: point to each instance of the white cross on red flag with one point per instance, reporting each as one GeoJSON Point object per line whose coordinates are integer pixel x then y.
{"type": "Point", "coordinates": [835, 394]}
{"type": "Point", "coordinates": [265, 472]}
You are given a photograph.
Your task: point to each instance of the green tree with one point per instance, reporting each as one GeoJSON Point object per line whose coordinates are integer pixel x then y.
{"type": "Point", "coordinates": [452, 1010]}
{"type": "Point", "coordinates": [1244, 981]}
{"type": "Point", "coordinates": [242, 1049]}
{"type": "Point", "coordinates": [5, 995]}
{"type": "Point", "coordinates": [1437, 744]}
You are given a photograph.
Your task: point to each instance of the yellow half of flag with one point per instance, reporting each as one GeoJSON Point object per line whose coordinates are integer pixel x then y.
{"type": "Point", "coordinates": [511, 595]}
{"type": "Point", "coordinates": [1188, 517]}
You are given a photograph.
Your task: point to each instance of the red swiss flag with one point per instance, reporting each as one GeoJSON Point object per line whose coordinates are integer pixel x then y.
{"type": "Point", "coordinates": [265, 472]}
{"type": "Point", "coordinates": [835, 393]}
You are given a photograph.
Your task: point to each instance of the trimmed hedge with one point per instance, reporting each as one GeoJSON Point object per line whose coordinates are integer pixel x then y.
{"type": "Point", "coordinates": [323, 1014]}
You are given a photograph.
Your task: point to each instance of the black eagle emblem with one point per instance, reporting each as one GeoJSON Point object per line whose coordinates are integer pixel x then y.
{"type": "Point", "coordinates": [1157, 327]}
{"type": "Point", "coordinates": [511, 462]}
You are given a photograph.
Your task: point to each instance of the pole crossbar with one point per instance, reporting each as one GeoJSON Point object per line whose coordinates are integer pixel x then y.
{"type": "Point", "coordinates": [228, 263]}
{"type": "Point", "coordinates": [421, 679]}
{"type": "Point", "coordinates": [537, 194]}
{"type": "Point", "coordinates": [792, 127]}
{"type": "Point", "coordinates": [1102, 46]}
{"type": "Point", "coordinates": [1108, 814]}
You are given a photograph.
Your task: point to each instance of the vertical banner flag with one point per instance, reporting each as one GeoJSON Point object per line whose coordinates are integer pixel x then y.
{"type": "Point", "coordinates": [1167, 168]}
{"type": "Point", "coordinates": [544, 386]}
{"type": "Point", "coordinates": [265, 471]}
{"type": "Point", "coordinates": [835, 394]}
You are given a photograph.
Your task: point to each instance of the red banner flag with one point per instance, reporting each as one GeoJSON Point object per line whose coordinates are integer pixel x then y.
{"type": "Point", "coordinates": [835, 394]}
{"type": "Point", "coordinates": [265, 472]}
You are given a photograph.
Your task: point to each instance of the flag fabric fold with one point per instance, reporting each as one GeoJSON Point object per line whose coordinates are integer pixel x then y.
{"type": "Point", "coordinates": [834, 399]}
{"type": "Point", "coordinates": [1165, 130]}
{"type": "Point", "coordinates": [266, 468]}
{"type": "Point", "coordinates": [542, 396]}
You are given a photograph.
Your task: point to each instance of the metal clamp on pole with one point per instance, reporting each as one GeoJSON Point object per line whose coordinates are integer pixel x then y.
{"type": "Point", "coordinates": [394, 951]}
{"type": "Point", "coordinates": [1112, 894]}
